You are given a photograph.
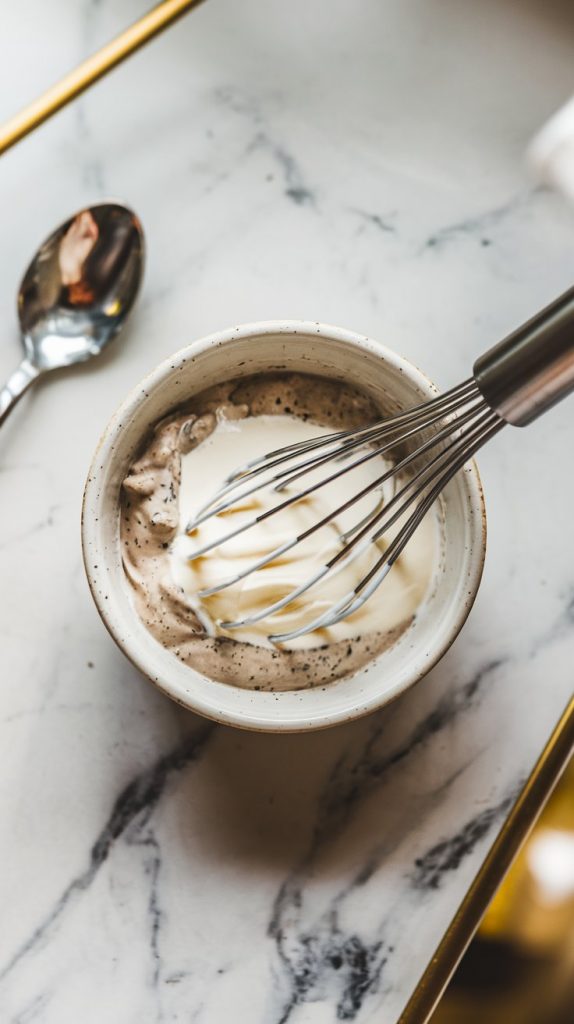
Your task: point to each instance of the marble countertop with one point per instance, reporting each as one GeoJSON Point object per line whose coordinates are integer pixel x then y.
{"type": "Point", "coordinates": [360, 164]}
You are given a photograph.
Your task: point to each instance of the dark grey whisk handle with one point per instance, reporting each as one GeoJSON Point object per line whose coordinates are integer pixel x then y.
{"type": "Point", "coordinates": [533, 368]}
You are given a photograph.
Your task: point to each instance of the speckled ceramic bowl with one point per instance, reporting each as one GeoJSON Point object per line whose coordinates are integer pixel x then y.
{"type": "Point", "coordinates": [237, 352]}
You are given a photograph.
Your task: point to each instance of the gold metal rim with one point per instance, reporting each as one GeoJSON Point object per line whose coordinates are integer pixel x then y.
{"type": "Point", "coordinates": [92, 69]}
{"type": "Point", "coordinates": [515, 829]}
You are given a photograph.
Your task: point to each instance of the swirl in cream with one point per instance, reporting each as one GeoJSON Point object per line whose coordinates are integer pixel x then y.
{"type": "Point", "coordinates": [236, 441]}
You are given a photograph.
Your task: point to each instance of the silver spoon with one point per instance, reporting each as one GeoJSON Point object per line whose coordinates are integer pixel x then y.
{"type": "Point", "coordinates": [76, 294]}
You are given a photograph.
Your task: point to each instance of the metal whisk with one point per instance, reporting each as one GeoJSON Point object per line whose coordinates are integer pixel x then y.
{"type": "Point", "coordinates": [514, 382]}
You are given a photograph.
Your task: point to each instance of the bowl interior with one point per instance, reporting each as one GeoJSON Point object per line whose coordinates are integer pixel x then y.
{"type": "Point", "coordinates": [311, 348]}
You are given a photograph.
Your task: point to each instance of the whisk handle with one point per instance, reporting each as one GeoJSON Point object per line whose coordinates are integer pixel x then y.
{"type": "Point", "coordinates": [533, 368]}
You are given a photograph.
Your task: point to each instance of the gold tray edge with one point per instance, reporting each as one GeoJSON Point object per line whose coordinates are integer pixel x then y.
{"type": "Point", "coordinates": [512, 835]}
{"type": "Point", "coordinates": [160, 17]}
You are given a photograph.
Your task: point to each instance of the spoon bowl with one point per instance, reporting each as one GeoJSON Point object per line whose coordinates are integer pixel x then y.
{"type": "Point", "coordinates": [76, 293]}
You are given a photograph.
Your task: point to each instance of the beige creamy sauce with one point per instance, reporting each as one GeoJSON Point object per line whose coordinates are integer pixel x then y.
{"type": "Point", "coordinates": [183, 464]}
{"type": "Point", "coordinates": [234, 442]}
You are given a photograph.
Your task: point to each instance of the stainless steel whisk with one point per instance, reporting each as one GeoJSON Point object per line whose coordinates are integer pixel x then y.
{"type": "Point", "coordinates": [514, 382]}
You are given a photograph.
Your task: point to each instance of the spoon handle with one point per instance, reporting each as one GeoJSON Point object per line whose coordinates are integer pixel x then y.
{"type": "Point", "coordinates": [15, 386]}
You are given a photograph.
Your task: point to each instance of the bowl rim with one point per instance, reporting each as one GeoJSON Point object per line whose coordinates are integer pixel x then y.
{"type": "Point", "coordinates": [247, 718]}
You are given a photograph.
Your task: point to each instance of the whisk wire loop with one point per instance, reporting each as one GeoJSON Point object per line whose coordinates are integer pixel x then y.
{"type": "Point", "coordinates": [459, 423]}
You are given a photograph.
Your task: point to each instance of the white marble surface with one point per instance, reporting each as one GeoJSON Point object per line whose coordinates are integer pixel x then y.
{"type": "Point", "coordinates": [358, 163]}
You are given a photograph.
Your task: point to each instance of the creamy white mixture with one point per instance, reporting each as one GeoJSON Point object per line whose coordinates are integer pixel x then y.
{"type": "Point", "coordinates": [203, 470]}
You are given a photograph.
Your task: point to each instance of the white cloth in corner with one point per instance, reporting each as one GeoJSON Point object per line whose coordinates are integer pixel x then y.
{"type": "Point", "coordinates": [551, 152]}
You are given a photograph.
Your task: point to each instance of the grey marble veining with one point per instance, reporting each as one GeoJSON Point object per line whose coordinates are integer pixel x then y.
{"type": "Point", "coordinates": [363, 169]}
